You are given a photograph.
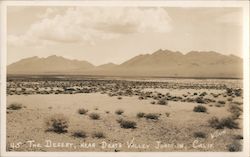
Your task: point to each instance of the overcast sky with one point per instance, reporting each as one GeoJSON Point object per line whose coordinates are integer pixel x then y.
{"type": "Point", "coordinates": [104, 34]}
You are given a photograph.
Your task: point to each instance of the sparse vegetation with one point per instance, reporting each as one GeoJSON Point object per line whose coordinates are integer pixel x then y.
{"type": "Point", "coordinates": [79, 134]}
{"type": "Point", "coordinates": [167, 114]}
{"type": "Point", "coordinates": [235, 111]}
{"type": "Point", "coordinates": [221, 102]}
{"type": "Point", "coordinates": [15, 106]}
{"type": "Point", "coordinates": [82, 111]}
{"type": "Point", "coordinates": [127, 124]}
{"type": "Point", "coordinates": [140, 114]}
{"type": "Point", "coordinates": [98, 134]}
{"type": "Point", "coordinates": [200, 100]}
{"type": "Point", "coordinates": [235, 146]}
{"type": "Point", "coordinates": [200, 108]}
{"type": "Point", "coordinates": [57, 123]}
{"type": "Point", "coordinates": [227, 122]}
{"type": "Point", "coordinates": [162, 101]}
{"type": "Point", "coordinates": [200, 134]}
{"type": "Point", "coordinates": [119, 112]}
{"type": "Point", "coordinates": [94, 116]}
{"type": "Point", "coordinates": [153, 116]}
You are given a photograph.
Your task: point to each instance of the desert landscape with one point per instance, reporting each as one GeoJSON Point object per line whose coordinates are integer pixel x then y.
{"type": "Point", "coordinates": [124, 78]}
{"type": "Point", "coordinates": [76, 113]}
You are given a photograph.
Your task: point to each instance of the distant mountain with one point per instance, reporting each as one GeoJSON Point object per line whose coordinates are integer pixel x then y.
{"type": "Point", "coordinates": [163, 63]}
{"type": "Point", "coordinates": [50, 65]}
{"type": "Point", "coordinates": [176, 64]}
{"type": "Point", "coordinates": [106, 66]}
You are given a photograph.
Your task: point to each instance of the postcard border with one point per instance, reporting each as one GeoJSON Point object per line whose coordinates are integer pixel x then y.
{"type": "Point", "coordinates": [243, 4]}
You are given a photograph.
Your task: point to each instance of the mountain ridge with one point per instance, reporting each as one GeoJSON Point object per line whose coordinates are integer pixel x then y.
{"type": "Point", "coordinates": [160, 63]}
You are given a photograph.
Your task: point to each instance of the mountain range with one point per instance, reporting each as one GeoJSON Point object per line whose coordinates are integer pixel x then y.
{"type": "Point", "coordinates": [162, 63]}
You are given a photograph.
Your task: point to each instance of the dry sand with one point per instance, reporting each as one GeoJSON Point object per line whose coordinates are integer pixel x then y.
{"type": "Point", "coordinates": [175, 131]}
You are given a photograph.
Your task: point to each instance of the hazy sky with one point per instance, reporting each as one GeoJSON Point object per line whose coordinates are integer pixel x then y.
{"type": "Point", "coordinates": [105, 34]}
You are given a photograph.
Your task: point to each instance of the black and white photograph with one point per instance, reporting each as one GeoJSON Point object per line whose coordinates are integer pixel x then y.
{"type": "Point", "coordinates": [87, 77]}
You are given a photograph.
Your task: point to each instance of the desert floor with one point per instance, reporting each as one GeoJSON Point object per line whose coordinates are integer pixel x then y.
{"type": "Point", "coordinates": [174, 130]}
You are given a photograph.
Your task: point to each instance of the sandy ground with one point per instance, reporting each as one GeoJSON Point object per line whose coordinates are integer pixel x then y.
{"type": "Point", "coordinates": [175, 133]}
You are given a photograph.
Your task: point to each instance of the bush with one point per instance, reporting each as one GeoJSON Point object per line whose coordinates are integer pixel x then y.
{"type": "Point", "coordinates": [119, 112]}
{"type": "Point", "coordinates": [221, 102]}
{"type": "Point", "coordinates": [82, 111]}
{"type": "Point", "coordinates": [200, 108]}
{"type": "Point", "coordinates": [80, 134]}
{"type": "Point", "coordinates": [152, 102]}
{"type": "Point", "coordinates": [98, 135]}
{"type": "Point", "coordinates": [15, 106]}
{"type": "Point", "coordinates": [229, 123]}
{"type": "Point", "coordinates": [234, 147]}
{"type": "Point", "coordinates": [214, 122]}
{"type": "Point", "coordinates": [127, 124]}
{"type": "Point", "coordinates": [154, 116]}
{"type": "Point", "coordinates": [162, 101]}
{"type": "Point", "coordinates": [224, 122]}
{"type": "Point", "coordinates": [94, 116]}
{"type": "Point", "coordinates": [200, 135]}
{"type": "Point", "coordinates": [199, 100]}
{"type": "Point", "coordinates": [219, 105]}
{"type": "Point", "coordinates": [119, 98]}
{"type": "Point", "coordinates": [57, 123]}
{"type": "Point", "coordinates": [140, 115]}
{"type": "Point", "coordinates": [167, 114]}
{"type": "Point", "coordinates": [119, 120]}
{"type": "Point", "coordinates": [235, 110]}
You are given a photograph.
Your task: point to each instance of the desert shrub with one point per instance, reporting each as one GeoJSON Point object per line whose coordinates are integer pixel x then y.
{"type": "Point", "coordinates": [235, 110]}
{"type": "Point", "coordinates": [200, 108]}
{"type": "Point", "coordinates": [79, 134]}
{"type": "Point", "coordinates": [152, 102]}
{"type": "Point", "coordinates": [200, 100]}
{"type": "Point", "coordinates": [119, 120]}
{"type": "Point", "coordinates": [230, 99]}
{"type": "Point", "coordinates": [119, 98]}
{"type": "Point", "coordinates": [228, 122]}
{"type": "Point", "coordinates": [15, 106]}
{"type": "Point", "coordinates": [200, 134]}
{"type": "Point", "coordinates": [203, 94]}
{"type": "Point", "coordinates": [94, 116]}
{"type": "Point", "coordinates": [214, 122]}
{"type": "Point", "coordinates": [107, 112]}
{"type": "Point", "coordinates": [98, 134]}
{"type": "Point", "coordinates": [219, 105]}
{"type": "Point", "coordinates": [238, 92]}
{"type": "Point", "coordinates": [140, 114]}
{"type": "Point", "coordinates": [127, 124]}
{"type": "Point", "coordinates": [57, 123]}
{"type": "Point", "coordinates": [235, 146]}
{"type": "Point", "coordinates": [119, 112]}
{"type": "Point", "coordinates": [141, 98]}
{"type": "Point", "coordinates": [221, 102]}
{"type": "Point", "coordinates": [167, 114]}
{"type": "Point", "coordinates": [154, 116]}
{"type": "Point", "coordinates": [162, 101]}
{"type": "Point", "coordinates": [195, 93]}
{"type": "Point", "coordinates": [82, 111]}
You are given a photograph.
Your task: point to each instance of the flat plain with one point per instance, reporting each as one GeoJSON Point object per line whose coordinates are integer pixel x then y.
{"type": "Point", "coordinates": [62, 113]}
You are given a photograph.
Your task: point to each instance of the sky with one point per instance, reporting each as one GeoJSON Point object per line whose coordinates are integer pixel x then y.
{"type": "Point", "coordinates": [102, 35]}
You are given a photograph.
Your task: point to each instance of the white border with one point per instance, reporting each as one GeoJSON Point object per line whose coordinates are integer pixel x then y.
{"type": "Point", "coordinates": [243, 4]}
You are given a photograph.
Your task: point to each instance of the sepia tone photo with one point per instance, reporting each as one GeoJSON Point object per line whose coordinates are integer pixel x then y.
{"type": "Point", "coordinates": [124, 79]}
